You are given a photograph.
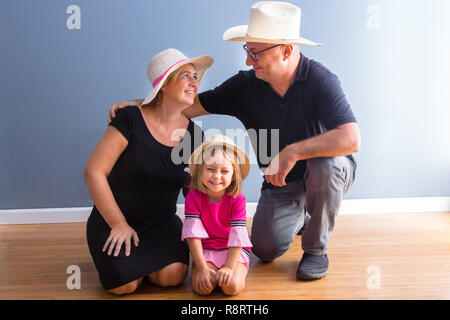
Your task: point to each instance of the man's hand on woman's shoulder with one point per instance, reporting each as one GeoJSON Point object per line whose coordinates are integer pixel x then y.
{"type": "Point", "coordinates": [120, 105]}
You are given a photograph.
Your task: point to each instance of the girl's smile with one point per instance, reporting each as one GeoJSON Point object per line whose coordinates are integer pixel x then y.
{"type": "Point", "coordinates": [217, 175]}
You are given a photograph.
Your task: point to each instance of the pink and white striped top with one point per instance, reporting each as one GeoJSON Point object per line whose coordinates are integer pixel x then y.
{"type": "Point", "coordinates": [220, 225]}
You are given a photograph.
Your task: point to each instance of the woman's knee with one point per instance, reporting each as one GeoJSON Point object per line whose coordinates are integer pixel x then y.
{"type": "Point", "coordinates": [126, 288]}
{"type": "Point", "coordinates": [171, 275]}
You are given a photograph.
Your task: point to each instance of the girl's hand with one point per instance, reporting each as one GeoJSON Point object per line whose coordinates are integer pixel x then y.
{"type": "Point", "coordinates": [224, 276]}
{"type": "Point", "coordinates": [204, 280]}
{"type": "Point", "coordinates": [120, 233]}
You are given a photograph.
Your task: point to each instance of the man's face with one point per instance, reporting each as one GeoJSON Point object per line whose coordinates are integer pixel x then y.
{"type": "Point", "coordinates": [268, 62]}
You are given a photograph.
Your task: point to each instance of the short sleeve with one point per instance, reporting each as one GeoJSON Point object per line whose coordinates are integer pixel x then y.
{"type": "Point", "coordinates": [331, 104]}
{"type": "Point", "coordinates": [123, 121]}
{"type": "Point", "coordinates": [192, 226]}
{"type": "Point", "coordinates": [224, 99]}
{"type": "Point", "coordinates": [238, 224]}
{"type": "Point", "coordinates": [238, 210]}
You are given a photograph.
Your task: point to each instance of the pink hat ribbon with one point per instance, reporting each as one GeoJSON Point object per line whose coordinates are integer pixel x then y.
{"type": "Point", "coordinates": [157, 80]}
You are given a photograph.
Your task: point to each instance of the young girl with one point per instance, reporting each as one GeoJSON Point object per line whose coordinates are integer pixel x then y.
{"type": "Point", "coordinates": [215, 217]}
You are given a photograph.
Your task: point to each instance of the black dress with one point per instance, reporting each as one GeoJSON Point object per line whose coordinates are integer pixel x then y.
{"type": "Point", "coordinates": [145, 181]}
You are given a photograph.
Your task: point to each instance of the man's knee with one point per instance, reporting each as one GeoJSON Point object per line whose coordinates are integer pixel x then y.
{"type": "Point", "coordinates": [268, 250]}
{"type": "Point", "coordinates": [262, 247]}
{"type": "Point", "coordinates": [270, 239]}
{"type": "Point", "coordinates": [324, 173]}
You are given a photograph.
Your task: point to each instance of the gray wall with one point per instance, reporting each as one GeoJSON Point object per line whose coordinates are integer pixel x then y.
{"type": "Point", "coordinates": [56, 85]}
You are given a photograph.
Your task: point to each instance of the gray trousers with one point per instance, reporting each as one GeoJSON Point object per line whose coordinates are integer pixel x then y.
{"type": "Point", "coordinates": [281, 210]}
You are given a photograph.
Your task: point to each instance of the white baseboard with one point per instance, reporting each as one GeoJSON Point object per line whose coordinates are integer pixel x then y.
{"type": "Point", "coordinates": [395, 205]}
{"type": "Point", "coordinates": [44, 215]}
{"type": "Point", "coordinates": [357, 206]}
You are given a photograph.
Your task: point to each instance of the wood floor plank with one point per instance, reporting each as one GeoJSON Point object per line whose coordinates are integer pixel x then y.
{"type": "Point", "coordinates": [409, 252]}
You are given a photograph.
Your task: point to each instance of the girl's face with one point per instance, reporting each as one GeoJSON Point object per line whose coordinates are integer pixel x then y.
{"type": "Point", "coordinates": [183, 88]}
{"type": "Point", "coordinates": [217, 174]}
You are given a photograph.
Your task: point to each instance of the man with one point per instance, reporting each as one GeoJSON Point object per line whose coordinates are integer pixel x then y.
{"type": "Point", "coordinates": [303, 103]}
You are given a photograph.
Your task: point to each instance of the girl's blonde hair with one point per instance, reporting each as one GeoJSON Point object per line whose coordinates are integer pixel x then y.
{"type": "Point", "coordinates": [235, 187]}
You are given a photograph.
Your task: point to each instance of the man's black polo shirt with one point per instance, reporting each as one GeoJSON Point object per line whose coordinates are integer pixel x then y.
{"type": "Point", "coordinates": [313, 104]}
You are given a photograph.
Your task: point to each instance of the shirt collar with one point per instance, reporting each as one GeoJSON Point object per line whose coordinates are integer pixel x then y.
{"type": "Point", "coordinates": [302, 72]}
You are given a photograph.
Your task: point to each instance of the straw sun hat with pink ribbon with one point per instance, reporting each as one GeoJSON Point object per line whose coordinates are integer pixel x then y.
{"type": "Point", "coordinates": [166, 62]}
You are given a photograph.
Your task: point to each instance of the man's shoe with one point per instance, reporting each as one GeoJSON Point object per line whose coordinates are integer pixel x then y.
{"type": "Point", "coordinates": [305, 225]}
{"type": "Point", "coordinates": [312, 267]}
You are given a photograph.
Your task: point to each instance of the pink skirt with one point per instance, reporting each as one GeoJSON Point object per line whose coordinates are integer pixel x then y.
{"type": "Point", "coordinates": [218, 257]}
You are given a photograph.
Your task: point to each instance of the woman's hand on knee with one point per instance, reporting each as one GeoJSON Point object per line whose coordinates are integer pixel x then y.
{"type": "Point", "coordinates": [120, 234]}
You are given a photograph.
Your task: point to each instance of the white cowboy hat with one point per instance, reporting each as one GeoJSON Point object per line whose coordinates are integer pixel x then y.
{"type": "Point", "coordinates": [219, 140]}
{"type": "Point", "coordinates": [271, 22]}
{"type": "Point", "coordinates": [166, 62]}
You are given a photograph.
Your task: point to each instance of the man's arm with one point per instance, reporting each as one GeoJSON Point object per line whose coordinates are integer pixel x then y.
{"type": "Point", "coordinates": [194, 110]}
{"type": "Point", "coordinates": [341, 141]}
{"type": "Point", "coordinates": [120, 105]}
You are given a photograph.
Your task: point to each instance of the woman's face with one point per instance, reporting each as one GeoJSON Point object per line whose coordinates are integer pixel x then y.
{"type": "Point", "coordinates": [183, 88]}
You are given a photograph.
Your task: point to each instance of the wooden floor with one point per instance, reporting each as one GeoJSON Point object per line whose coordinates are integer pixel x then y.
{"type": "Point", "coordinates": [384, 256]}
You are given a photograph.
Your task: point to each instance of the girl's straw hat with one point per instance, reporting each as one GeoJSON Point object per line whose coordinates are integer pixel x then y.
{"type": "Point", "coordinates": [219, 140]}
{"type": "Point", "coordinates": [166, 62]}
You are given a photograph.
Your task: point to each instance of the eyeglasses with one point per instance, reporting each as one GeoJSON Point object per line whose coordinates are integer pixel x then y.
{"type": "Point", "coordinates": [254, 55]}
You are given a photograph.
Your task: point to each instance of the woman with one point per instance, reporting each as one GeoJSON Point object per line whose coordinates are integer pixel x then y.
{"type": "Point", "coordinates": [133, 231]}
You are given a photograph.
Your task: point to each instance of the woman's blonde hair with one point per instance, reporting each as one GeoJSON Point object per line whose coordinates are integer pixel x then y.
{"type": "Point", "coordinates": [235, 187]}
